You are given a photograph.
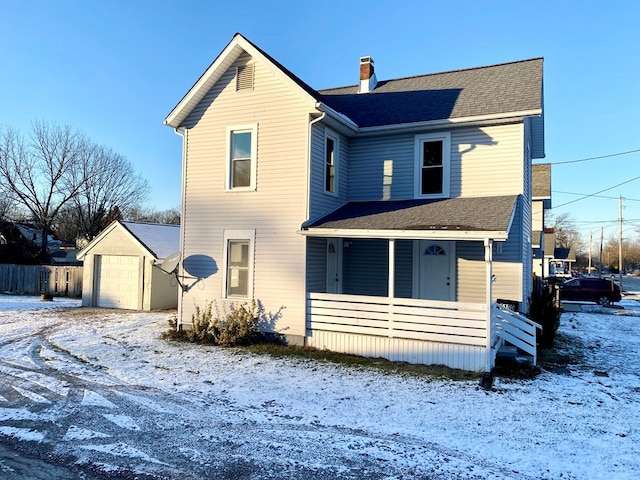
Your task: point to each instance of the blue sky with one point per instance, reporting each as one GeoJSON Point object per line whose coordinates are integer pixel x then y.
{"type": "Point", "coordinates": [115, 69]}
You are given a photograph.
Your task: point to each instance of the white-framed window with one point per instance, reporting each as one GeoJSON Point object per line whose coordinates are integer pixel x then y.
{"type": "Point", "coordinates": [238, 263]}
{"type": "Point", "coordinates": [331, 159]}
{"type": "Point", "coordinates": [432, 165]}
{"type": "Point", "coordinates": [242, 145]}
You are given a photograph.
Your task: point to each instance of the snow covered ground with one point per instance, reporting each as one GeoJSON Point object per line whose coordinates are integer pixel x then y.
{"type": "Point", "coordinates": [97, 389]}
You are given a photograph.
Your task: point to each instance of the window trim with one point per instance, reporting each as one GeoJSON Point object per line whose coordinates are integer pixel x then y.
{"type": "Point", "coordinates": [253, 129]}
{"type": "Point", "coordinates": [445, 138]}
{"type": "Point", "coordinates": [245, 235]}
{"type": "Point", "coordinates": [329, 134]}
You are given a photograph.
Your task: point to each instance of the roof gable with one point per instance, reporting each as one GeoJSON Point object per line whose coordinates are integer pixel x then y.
{"type": "Point", "coordinates": [159, 240]}
{"type": "Point", "coordinates": [221, 64]}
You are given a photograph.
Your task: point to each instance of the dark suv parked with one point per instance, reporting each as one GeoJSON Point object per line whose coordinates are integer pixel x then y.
{"type": "Point", "coordinates": [604, 292]}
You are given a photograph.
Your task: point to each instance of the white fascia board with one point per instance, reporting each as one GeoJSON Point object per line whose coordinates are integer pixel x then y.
{"type": "Point", "coordinates": [475, 120]}
{"type": "Point", "coordinates": [406, 234]}
{"type": "Point", "coordinates": [220, 65]}
{"type": "Point", "coordinates": [115, 224]}
{"type": "Point", "coordinates": [343, 119]}
{"type": "Point", "coordinates": [83, 253]}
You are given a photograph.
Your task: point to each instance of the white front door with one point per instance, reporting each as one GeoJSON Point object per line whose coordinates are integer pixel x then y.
{"type": "Point", "coordinates": [334, 265]}
{"type": "Point", "coordinates": [436, 270]}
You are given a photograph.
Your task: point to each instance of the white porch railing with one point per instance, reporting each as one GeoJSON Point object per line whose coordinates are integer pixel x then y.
{"type": "Point", "coordinates": [406, 318]}
{"type": "Point", "coordinates": [516, 329]}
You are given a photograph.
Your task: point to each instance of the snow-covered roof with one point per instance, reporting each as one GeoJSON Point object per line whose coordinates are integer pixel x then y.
{"type": "Point", "coordinates": [162, 240]}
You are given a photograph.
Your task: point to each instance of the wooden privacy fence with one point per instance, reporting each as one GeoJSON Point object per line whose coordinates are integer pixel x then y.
{"type": "Point", "coordinates": [38, 279]}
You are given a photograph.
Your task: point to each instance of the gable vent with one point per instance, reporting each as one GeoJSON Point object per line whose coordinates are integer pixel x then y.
{"type": "Point", "coordinates": [244, 77]}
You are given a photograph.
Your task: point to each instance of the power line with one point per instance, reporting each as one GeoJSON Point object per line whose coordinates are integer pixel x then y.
{"type": "Point", "coordinates": [597, 196]}
{"type": "Point", "coordinates": [596, 193]}
{"type": "Point", "coordinates": [596, 158]}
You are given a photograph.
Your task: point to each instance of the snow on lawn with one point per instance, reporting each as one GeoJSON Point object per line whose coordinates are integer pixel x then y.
{"type": "Point", "coordinates": [576, 422]}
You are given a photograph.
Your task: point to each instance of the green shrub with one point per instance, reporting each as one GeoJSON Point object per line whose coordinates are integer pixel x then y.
{"type": "Point", "coordinates": [544, 309]}
{"type": "Point", "coordinates": [209, 325]}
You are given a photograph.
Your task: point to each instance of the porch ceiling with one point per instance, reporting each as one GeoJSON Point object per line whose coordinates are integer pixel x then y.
{"type": "Point", "coordinates": [454, 218]}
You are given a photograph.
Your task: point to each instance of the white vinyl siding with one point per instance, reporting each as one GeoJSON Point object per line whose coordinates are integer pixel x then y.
{"type": "Point", "coordinates": [471, 275]}
{"type": "Point", "coordinates": [382, 168]}
{"type": "Point", "coordinates": [275, 210]}
{"type": "Point", "coordinates": [321, 203]}
{"type": "Point", "coordinates": [316, 264]}
{"type": "Point", "coordinates": [484, 162]}
{"type": "Point", "coordinates": [487, 161]}
{"type": "Point", "coordinates": [366, 267]}
{"type": "Point", "coordinates": [465, 357]}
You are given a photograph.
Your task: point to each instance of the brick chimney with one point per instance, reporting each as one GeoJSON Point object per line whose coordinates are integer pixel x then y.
{"type": "Point", "coordinates": [368, 79]}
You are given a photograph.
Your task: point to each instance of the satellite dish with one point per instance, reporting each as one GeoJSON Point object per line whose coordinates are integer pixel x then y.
{"type": "Point", "coordinates": [170, 264]}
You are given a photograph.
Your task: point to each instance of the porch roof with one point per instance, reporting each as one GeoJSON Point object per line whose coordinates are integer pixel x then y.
{"type": "Point", "coordinates": [468, 218]}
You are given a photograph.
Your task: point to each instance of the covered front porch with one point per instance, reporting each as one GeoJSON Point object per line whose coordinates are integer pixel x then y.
{"type": "Point", "coordinates": [416, 295]}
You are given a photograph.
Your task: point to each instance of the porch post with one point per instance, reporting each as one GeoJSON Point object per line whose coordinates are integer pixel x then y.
{"type": "Point", "coordinates": [488, 258]}
{"type": "Point", "coordinates": [391, 289]}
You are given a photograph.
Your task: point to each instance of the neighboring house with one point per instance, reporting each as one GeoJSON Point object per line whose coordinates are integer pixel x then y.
{"type": "Point", "coordinates": [540, 203]}
{"type": "Point", "coordinates": [558, 261]}
{"type": "Point", "coordinates": [21, 242]}
{"type": "Point", "coordinates": [381, 219]}
{"type": "Point", "coordinates": [561, 266]}
{"type": "Point", "coordinates": [120, 267]}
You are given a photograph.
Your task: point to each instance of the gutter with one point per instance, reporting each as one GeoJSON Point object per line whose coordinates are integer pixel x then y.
{"type": "Point", "coordinates": [346, 121]}
{"type": "Point", "coordinates": [451, 121]}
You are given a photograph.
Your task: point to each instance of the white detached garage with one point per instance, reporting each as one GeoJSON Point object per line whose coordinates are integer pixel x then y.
{"type": "Point", "coordinates": [119, 269]}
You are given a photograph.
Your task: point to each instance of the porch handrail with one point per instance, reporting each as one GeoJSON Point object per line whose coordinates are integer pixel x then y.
{"type": "Point", "coordinates": [448, 322]}
{"type": "Point", "coordinates": [516, 329]}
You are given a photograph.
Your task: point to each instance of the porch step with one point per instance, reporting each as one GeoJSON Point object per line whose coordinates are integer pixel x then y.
{"type": "Point", "coordinates": [509, 353]}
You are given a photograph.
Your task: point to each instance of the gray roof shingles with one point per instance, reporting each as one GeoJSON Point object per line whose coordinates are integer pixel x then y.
{"type": "Point", "coordinates": [505, 88]}
{"type": "Point", "coordinates": [541, 180]}
{"type": "Point", "coordinates": [456, 214]}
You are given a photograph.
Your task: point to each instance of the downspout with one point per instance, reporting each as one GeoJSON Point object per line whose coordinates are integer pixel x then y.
{"type": "Point", "coordinates": [306, 216]}
{"type": "Point", "coordinates": [310, 144]}
{"type": "Point", "coordinates": [183, 135]}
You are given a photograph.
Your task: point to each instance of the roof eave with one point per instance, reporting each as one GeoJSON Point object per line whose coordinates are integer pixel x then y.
{"type": "Point", "coordinates": [470, 120]}
{"type": "Point", "coordinates": [341, 118]}
{"type": "Point", "coordinates": [440, 234]}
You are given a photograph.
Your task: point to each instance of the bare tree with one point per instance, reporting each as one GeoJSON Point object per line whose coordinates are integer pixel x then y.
{"type": "Point", "coordinates": [170, 216]}
{"type": "Point", "coordinates": [111, 186]}
{"type": "Point", "coordinates": [65, 180]}
{"type": "Point", "coordinates": [567, 236]}
{"type": "Point", "coordinates": [41, 174]}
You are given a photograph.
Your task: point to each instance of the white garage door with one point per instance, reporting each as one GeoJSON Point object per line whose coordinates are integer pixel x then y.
{"type": "Point", "coordinates": [117, 279]}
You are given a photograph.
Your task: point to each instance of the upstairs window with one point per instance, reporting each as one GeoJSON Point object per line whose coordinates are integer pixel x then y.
{"type": "Point", "coordinates": [432, 152]}
{"type": "Point", "coordinates": [331, 163]}
{"type": "Point", "coordinates": [241, 164]}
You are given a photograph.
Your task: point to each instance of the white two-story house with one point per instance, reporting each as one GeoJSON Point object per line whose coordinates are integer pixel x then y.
{"type": "Point", "coordinates": [385, 218]}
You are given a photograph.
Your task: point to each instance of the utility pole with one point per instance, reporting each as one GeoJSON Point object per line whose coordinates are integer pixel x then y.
{"type": "Point", "coordinates": [590, 241]}
{"type": "Point", "coordinates": [620, 246]}
{"type": "Point", "coordinates": [601, 259]}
